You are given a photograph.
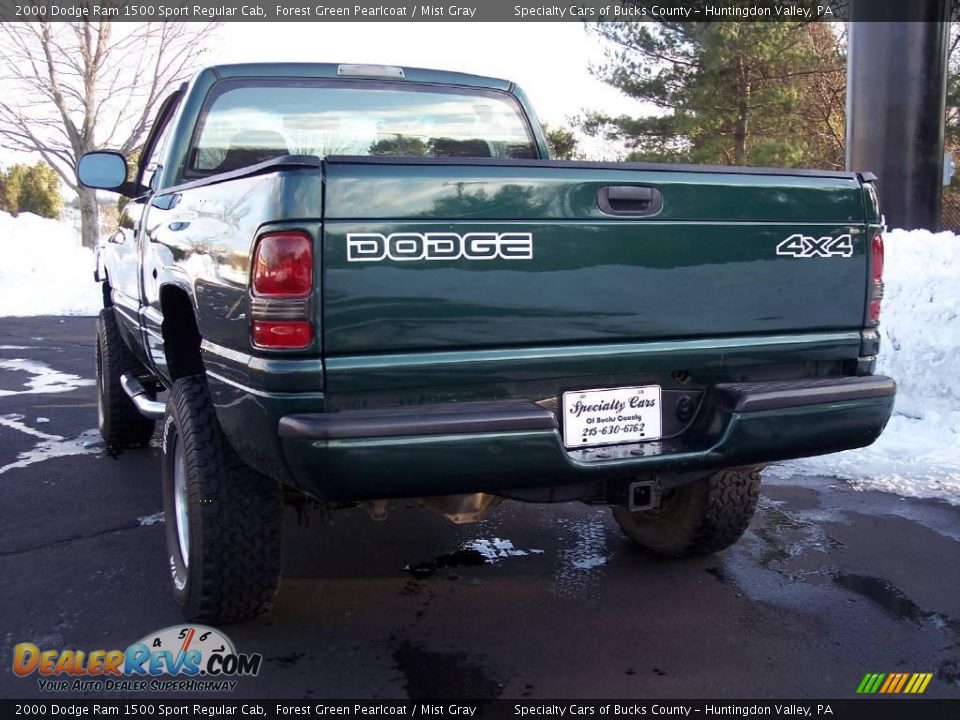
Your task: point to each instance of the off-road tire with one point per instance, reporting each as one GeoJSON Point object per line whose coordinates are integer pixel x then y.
{"type": "Point", "coordinates": [696, 519]}
{"type": "Point", "coordinates": [121, 425]}
{"type": "Point", "coordinates": [234, 515]}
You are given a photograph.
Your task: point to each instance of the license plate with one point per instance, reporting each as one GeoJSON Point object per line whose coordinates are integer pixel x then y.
{"type": "Point", "coordinates": [611, 417]}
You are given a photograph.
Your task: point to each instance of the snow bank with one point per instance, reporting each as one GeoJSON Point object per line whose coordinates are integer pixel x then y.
{"type": "Point", "coordinates": [918, 454]}
{"type": "Point", "coordinates": [45, 270]}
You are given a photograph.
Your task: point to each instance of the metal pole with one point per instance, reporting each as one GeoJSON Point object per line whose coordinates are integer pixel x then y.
{"type": "Point", "coordinates": [896, 96]}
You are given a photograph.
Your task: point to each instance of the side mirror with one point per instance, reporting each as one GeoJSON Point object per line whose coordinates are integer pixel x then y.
{"type": "Point", "coordinates": [103, 170]}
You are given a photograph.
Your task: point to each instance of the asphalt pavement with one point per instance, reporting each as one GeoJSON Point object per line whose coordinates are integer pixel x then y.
{"type": "Point", "coordinates": [536, 601]}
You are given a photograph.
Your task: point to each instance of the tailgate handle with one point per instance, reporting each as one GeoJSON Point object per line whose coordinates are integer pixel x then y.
{"type": "Point", "coordinates": [629, 200]}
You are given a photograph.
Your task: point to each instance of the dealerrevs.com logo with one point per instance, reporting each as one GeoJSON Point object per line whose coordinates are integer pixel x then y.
{"type": "Point", "coordinates": [184, 658]}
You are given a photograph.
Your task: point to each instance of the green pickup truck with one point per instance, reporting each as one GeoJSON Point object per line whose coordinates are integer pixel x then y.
{"type": "Point", "coordinates": [358, 283]}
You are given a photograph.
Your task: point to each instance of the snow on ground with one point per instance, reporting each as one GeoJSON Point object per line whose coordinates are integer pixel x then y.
{"type": "Point", "coordinates": [45, 271]}
{"type": "Point", "coordinates": [918, 454]}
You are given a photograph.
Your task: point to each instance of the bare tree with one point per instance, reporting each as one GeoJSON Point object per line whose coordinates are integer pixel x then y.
{"type": "Point", "coordinates": [953, 89]}
{"type": "Point", "coordinates": [69, 88]}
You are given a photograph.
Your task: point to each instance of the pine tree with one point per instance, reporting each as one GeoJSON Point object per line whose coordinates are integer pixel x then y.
{"type": "Point", "coordinates": [742, 93]}
{"type": "Point", "coordinates": [562, 142]}
{"type": "Point", "coordinates": [31, 188]}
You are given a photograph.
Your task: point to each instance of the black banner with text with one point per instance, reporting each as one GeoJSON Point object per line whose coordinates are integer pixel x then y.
{"type": "Point", "coordinates": [467, 10]}
{"type": "Point", "coordinates": [865, 709]}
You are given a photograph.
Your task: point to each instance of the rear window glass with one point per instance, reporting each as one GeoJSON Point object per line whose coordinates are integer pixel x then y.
{"type": "Point", "coordinates": [247, 124]}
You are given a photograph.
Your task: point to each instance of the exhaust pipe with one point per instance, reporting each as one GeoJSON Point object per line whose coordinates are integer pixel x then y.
{"type": "Point", "coordinates": [148, 408]}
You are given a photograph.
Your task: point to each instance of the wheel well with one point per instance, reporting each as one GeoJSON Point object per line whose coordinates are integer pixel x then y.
{"type": "Point", "coordinates": [181, 336]}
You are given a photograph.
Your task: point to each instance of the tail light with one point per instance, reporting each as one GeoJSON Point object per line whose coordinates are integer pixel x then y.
{"type": "Point", "coordinates": [876, 279]}
{"type": "Point", "coordinates": [284, 334]}
{"type": "Point", "coordinates": [283, 265]}
{"type": "Point", "coordinates": [281, 283]}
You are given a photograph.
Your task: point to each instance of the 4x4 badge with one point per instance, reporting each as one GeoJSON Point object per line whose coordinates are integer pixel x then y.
{"type": "Point", "coordinates": [806, 246]}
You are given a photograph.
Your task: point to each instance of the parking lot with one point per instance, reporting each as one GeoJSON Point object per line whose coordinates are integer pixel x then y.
{"type": "Point", "coordinates": [536, 601]}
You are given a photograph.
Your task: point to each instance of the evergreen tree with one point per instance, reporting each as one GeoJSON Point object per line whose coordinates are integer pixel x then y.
{"type": "Point", "coordinates": [9, 192]}
{"type": "Point", "coordinates": [40, 191]}
{"type": "Point", "coordinates": [31, 188]}
{"type": "Point", "coordinates": [743, 93]}
{"type": "Point", "coordinates": [562, 141]}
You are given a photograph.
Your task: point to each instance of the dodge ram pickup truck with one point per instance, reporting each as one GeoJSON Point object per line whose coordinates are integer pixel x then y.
{"type": "Point", "coordinates": [341, 285]}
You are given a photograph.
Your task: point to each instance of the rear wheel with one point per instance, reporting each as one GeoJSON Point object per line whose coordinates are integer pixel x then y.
{"type": "Point", "coordinates": [222, 517]}
{"type": "Point", "coordinates": [121, 425]}
{"type": "Point", "coordinates": [696, 519]}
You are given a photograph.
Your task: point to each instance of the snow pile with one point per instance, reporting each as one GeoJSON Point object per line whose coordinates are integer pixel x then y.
{"type": "Point", "coordinates": [918, 454]}
{"type": "Point", "coordinates": [45, 270]}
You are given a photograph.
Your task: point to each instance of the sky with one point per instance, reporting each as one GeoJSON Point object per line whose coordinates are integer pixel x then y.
{"type": "Point", "coordinates": [550, 61]}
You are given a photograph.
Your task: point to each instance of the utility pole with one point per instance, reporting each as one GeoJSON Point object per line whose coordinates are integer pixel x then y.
{"type": "Point", "coordinates": [896, 96]}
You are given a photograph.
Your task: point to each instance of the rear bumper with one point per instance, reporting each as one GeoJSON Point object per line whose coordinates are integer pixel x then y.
{"type": "Point", "coordinates": [516, 444]}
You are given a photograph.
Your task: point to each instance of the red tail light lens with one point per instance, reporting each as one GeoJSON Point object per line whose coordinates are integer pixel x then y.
{"type": "Point", "coordinates": [281, 282]}
{"type": "Point", "coordinates": [876, 280]}
{"type": "Point", "coordinates": [283, 265]}
{"type": "Point", "coordinates": [876, 255]}
{"type": "Point", "coordinates": [282, 334]}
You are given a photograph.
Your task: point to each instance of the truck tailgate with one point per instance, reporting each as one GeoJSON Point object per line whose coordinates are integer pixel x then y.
{"type": "Point", "coordinates": [716, 259]}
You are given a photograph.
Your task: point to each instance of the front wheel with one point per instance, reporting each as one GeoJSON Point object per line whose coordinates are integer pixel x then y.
{"type": "Point", "coordinates": [696, 519]}
{"type": "Point", "coordinates": [121, 424]}
{"type": "Point", "coordinates": [222, 517]}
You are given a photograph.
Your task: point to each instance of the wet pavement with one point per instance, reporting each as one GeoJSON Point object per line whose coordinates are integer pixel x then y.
{"type": "Point", "coordinates": [534, 602]}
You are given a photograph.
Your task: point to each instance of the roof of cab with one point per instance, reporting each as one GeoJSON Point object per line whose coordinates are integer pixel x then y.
{"type": "Point", "coordinates": [329, 70]}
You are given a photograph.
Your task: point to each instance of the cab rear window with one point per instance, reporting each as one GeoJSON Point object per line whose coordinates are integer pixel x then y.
{"type": "Point", "coordinates": [245, 124]}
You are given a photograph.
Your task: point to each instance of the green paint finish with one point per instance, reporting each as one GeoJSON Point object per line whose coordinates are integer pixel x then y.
{"type": "Point", "coordinates": [539, 191]}
{"type": "Point", "coordinates": [435, 465]}
{"type": "Point", "coordinates": [589, 282]}
{"type": "Point", "coordinates": [329, 70]}
{"type": "Point", "coordinates": [201, 240]}
{"type": "Point", "coordinates": [706, 265]}
{"type": "Point", "coordinates": [862, 687]}
{"type": "Point", "coordinates": [564, 365]}
{"type": "Point", "coordinates": [871, 203]}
